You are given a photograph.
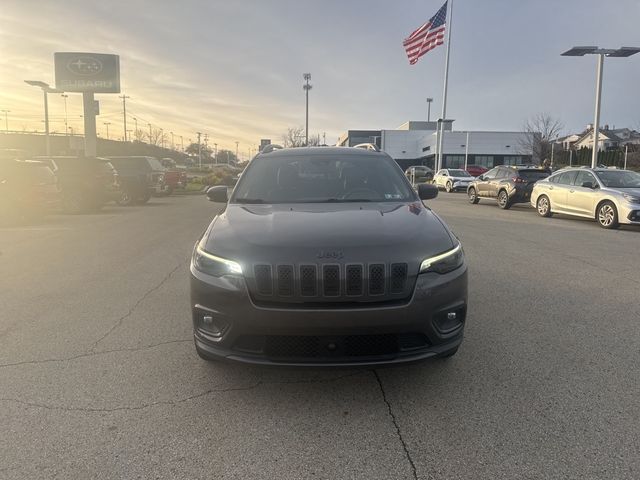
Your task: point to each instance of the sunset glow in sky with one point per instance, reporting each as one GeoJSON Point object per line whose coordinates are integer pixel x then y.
{"type": "Point", "coordinates": [234, 69]}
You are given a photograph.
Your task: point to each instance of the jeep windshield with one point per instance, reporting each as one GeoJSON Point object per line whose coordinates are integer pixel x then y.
{"type": "Point", "coordinates": [320, 179]}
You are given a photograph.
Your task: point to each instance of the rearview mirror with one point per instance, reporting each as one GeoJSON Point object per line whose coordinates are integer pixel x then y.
{"type": "Point", "coordinates": [426, 191]}
{"type": "Point", "coordinates": [218, 194]}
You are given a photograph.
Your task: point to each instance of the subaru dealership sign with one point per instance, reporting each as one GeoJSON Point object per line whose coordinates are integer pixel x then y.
{"type": "Point", "coordinates": [87, 72]}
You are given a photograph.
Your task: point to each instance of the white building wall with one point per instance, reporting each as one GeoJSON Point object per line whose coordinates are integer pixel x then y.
{"type": "Point", "coordinates": [401, 144]}
{"type": "Point", "coordinates": [405, 143]}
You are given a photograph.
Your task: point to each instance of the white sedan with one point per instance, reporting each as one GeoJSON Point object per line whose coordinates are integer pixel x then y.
{"type": "Point", "coordinates": [452, 179]}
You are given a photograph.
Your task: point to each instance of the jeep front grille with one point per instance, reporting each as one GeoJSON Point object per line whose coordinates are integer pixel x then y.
{"type": "Point", "coordinates": [330, 282]}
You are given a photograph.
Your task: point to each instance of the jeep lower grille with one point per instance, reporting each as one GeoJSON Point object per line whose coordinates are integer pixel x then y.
{"type": "Point", "coordinates": [322, 348]}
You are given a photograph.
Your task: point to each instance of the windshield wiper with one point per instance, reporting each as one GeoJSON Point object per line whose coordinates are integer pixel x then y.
{"type": "Point", "coordinates": [344, 200]}
{"type": "Point", "coordinates": [249, 200]}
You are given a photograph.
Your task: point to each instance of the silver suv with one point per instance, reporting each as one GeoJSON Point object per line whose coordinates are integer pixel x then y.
{"type": "Point", "coordinates": [610, 196]}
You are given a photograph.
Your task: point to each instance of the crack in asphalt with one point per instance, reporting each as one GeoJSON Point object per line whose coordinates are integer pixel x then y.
{"type": "Point", "coordinates": [177, 401]}
{"type": "Point", "coordinates": [93, 354]}
{"type": "Point", "coordinates": [119, 322]}
{"type": "Point", "coordinates": [394, 420]}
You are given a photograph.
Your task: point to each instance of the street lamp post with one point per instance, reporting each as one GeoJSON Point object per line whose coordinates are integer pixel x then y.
{"type": "Point", "coordinates": [306, 87]}
{"type": "Point", "coordinates": [124, 113]}
{"type": "Point", "coordinates": [173, 145]}
{"type": "Point", "coordinates": [601, 52]}
{"type": "Point", "coordinates": [106, 124]}
{"type": "Point", "coordinates": [6, 119]}
{"type": "Point", "coordinates": [45, 90]}
{"type": "Point", "coordinates": [429, 100]}
{"type": "Point", "coordinates": [66, 118]}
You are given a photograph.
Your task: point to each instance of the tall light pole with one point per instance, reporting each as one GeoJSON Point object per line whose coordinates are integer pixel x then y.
{"type": "Point", "coordinates": [162, 137]}
{"type": "Point", "coordinates": [6, 119]}
{"type": "Point", "coordinates": [237, 144]}
{"type": "Point", "coordinates": [45, 90]}
{"type": "Point", "coordinates": [601, 52]}
{"type": "Point", "coordinates": [124, 113]}
{"type": "Point", "coordinates": [429, 100]}
{"type": "Point", "coordinates": [106, 124]}
{"type": "Point", "coordinates": [135, 128]}
{"type": "Point", "coordinates": [66, 118]}
{"type": "Point", "coordinates": [173, 145]}
{"type": "Point", "coordinates": [466, 152]}
{"type": "Point", "coordinates": [150, 133]}
{"type": "Point", "coordinates": [199, 150]}
{"type": "Point", "coordinates": [306, 87]}
{"type": "Point", "coordinates": [215, 152]}
{"type": "Point", "coordinates": [626, 154]}
{"type": "Point", "coordinates": [182, 142]}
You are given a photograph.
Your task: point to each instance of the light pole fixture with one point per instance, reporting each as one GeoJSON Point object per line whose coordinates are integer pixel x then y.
{"type": "Point", "coordinates": [45, 90]}
{"type": "Point", "coordinates": [306, 87]}
{"type": "Point", "coordinates": [6, 119]}
{"type": "Point", "coordinates": [124, 113]}
{"type": "Point", "coordinates": [66, 117]}
{"type": "Point", "coordinates": [429, 100]}
{"type": "Point", "coordinates": [601, 52]}
{"type": "Point", "coordinates": [106, 124]}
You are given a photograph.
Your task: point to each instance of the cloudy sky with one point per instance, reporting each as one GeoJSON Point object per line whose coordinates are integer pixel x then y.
{"type": "Point", "coordinates": [234, 69]}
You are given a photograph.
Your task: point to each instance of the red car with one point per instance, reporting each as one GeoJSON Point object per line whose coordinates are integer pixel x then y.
{"type": "Point", "coordinates": [476, 170]}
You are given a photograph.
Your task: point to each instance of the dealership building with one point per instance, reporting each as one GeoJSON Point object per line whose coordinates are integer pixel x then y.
{"type": "Point", "coordinates": [415, 143]}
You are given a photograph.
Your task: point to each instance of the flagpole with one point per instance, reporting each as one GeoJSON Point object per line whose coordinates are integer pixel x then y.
{"type": "Point", "coordinates": [446, 83]}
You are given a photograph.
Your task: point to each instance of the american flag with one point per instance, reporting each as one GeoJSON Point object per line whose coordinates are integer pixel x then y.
{"type": "Point", "coordinates": [427, 37]}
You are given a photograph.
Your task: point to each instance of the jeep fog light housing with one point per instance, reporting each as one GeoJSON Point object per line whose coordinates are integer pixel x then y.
{"type": "Point", "coordinates": [210, 264]}
{"type": "Point", "coordinates": [445, 262]}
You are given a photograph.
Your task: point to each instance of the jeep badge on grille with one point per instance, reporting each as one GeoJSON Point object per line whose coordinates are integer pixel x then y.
{"type": "Point", "coordinates": [333, 255]}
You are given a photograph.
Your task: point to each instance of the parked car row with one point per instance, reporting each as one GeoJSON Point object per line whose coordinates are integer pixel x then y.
{"type": "Point", "coordinates": [445, 178]}
{"type": "Point", "coordinates": [33, 187]}
{"type": "Point", "coordinates": [609, 196]}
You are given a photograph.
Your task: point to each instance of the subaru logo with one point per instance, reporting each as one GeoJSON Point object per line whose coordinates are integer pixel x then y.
{"type": "Point", "coordinates": [85, 66]}
{"type": "Point", "coordinates": [332, 255]}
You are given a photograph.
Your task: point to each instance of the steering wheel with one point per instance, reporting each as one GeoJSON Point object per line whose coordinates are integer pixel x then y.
{"type": "Point", "coordinates": [362, 193]}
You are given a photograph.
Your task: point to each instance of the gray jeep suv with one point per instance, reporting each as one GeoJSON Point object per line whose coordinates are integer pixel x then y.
{"type": "Point", "coordinates": [327, 256]}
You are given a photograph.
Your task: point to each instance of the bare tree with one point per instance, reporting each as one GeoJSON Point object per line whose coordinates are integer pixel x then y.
{"type": "Point", "coordinates": [139, 135]}
{"type": "Point", "coordinates": [314, 140]}
{"type": "Point", "coordinates": [156, 137]}
{"type": "Point", "coordinates": [543, 129]}
{"type": "Point", "coordinates": [294, 137]}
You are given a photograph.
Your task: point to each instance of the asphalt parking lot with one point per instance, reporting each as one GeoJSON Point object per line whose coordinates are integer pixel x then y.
{"type": "Point", "coordinates": [99, 377]}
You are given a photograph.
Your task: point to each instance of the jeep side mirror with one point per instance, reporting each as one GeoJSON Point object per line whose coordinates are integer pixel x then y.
{"type": "Point", "coordinates": [218, 194]}
{"type": "Point", "coordinates": [426, 191]}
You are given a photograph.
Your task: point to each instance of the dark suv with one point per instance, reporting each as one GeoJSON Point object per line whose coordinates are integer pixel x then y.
{"type": "Point", "coordinates": [139, 180]}
{"type": "Point", "coordinates": [86, 183]}
{"type": "Point", "coordinates": [327, 256]}
{"type": "Point", "coordinates": [28, 190]}
{"type": "Point", "coordinates": [506, 184]}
